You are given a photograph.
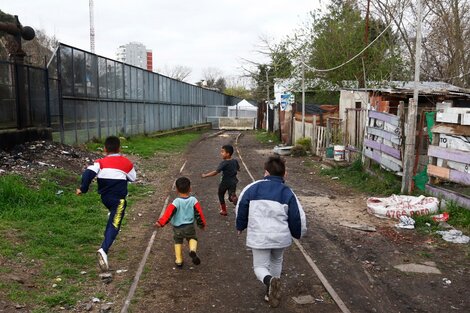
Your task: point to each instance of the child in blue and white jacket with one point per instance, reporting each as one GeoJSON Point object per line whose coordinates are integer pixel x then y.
{"type": "Point", "coordinates": [272, 215]}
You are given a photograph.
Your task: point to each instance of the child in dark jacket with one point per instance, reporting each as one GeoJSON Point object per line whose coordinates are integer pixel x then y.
{"type": "Point", "coordinates": [182, 213]}
{"type": "Point", "coordinates": [112, 172]}
{"type": "Point", "coordinates": [272, 215]}
{"type": "Point", "coordinates": [229, 168]}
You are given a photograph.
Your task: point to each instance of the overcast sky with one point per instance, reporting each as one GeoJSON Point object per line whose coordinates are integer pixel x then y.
{"type": "Point", "coordinates": [197, 34]}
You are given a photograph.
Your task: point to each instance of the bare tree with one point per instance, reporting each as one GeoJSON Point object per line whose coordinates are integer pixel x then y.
{"type": "Point", "coordinates": [40, 49]}
{"type": "Point", "coordinates": [178, 72]}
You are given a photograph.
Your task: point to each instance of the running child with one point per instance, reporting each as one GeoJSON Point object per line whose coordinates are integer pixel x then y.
{"type": "Point", "coordinates": [229, 168]}
{"type": "Point", "coordinates": [182, 213]}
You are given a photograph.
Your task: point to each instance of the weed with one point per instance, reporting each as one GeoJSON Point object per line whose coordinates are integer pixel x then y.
{"type": "Point", "coordinates": [266, 137]}
{"type": "Point", "coordinates": [381, 183]}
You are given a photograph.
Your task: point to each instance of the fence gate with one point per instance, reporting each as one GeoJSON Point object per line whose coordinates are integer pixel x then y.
{"type": "Point", "coordinates": [383, 140]}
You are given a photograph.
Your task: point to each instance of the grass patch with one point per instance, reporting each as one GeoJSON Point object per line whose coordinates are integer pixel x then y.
{"type": "Point", "coordinates": [147, 146]}
{"type": "Point", "coordinates": [52, 231]}
{"type": "Point", "coordinates": [265, 137]}
{"type": "Point", "coordinates": [380, 184]}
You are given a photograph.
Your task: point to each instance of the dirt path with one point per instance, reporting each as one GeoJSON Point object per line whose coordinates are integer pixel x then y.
{"type": "Point", "coordinates": [359, 265]}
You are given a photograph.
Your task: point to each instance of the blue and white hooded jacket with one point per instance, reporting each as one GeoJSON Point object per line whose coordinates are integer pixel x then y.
{"type": "Point", "coordinates": [271, 213]}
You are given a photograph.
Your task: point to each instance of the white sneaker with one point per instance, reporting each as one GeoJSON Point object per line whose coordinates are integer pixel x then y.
{"type": "Point", "coordinates": [102, 259]}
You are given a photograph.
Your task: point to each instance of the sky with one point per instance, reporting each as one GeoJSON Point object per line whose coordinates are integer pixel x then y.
{"type": "Point", "coordinates": [197, 34]}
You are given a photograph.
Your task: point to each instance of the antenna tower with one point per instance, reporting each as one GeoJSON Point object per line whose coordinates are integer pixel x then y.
{"type": "Point", "coordinates": [92, 27]}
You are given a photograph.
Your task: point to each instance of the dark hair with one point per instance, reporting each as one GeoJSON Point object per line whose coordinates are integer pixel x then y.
{"type": "Point", "coordinates": [112, 144]}
{"type": "Point", "coordinates": [183, 184]}
{"type": "Point", "coordinates": [275, 166]}
{"type": "Point", "coordinates": [228, 149]}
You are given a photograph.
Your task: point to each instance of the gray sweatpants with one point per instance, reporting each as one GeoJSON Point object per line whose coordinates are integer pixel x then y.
{"type": "Point", "coordinates": [267, 262]}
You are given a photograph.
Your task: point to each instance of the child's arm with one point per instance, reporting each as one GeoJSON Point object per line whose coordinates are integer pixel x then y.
{"type": "Point", "coordinates": [87, 177]}
{"type": "Point", "coordinates": [296, 218]}
{"type": "Point", "coordinates": [199, 216]}
{"type": "Point", "coordinates": [242, 209]}
{"type": "Point", "coordinates": [213, 173]}
{"type": "Point", "coordinates": [169, 212]}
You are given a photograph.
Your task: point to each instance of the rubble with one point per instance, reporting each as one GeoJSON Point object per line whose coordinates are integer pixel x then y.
{"type": "Point", "coordinates": [33, 158]}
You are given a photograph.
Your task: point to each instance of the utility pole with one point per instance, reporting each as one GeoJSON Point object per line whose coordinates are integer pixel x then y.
{"type": "Point", "coordinates": [267, 100]}
{"type": "Point", "coordinates": [409, 157]}
{"type": "Point", "coordinates": [303, 98]}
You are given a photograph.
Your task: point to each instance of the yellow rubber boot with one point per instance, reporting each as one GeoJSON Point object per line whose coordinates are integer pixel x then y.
{"type": "Point", "coordinates": [192, 251]}
{"type": "Point", "coordinates": [179, 254]}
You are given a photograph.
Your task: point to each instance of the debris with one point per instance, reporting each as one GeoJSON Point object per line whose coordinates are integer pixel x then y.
{"type": "Point", "coordinates": [89, 306]}
{"type": "Point", "coordinates": [58, 279]}
{"type": "Point", "coordinates": [96, 300]}
{"type": "Point", "coordinates": [106, 277]}
{"type": "Point", "coordinates": [59, 192]}
{"type": "Point", "coordinates": [358, 226]}
{"type": "Point", "coordinates": [120, 271]}
{"type": "Point", "coordinates": [20, 306]}
{"type": "Point", "coordinates": [139, 214]}
{"type": "Point", "coordinates": [427, 224]}
{"type": "Point", "coordinates": [396, 206]}
{"type": "Point", "coordinates": [417, 268]}
{"type": "Point", "coordinates": [105, 308]}
{"type": "Point", "coordinates": [82, 272]}
{"type": "Point", "coordinates": [304, 299]}
{"type": "Point", "coordinates": [446, 281]}
{"type": "Point", "coordinates": [406, 222]}
{"type": "Point", "coordinates": [443, 217]}
{"type": "Point", "coordinates": [54, 285]}
{"type": "Point", "coordinates": [454, 236]}
{"type": "Point", "coordinates": [335, 178]}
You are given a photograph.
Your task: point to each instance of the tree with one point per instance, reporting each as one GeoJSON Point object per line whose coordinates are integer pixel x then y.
{"type": "Point", "coordinates": [339, 35]}
{"type": "Point", "coordinates": [40, 49]}
{"type": "Point", "coordinates": [178, 72]}
{"type": "Point", "coordinates": [212, 78]}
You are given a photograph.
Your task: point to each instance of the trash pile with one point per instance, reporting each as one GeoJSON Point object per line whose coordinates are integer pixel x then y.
{"type": "Point", "coordinates": [34, 157]}
{"type": "Point", "coordinates": [454, 236]}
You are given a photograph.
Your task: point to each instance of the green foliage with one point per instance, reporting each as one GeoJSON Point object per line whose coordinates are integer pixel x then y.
{"type": "Point", "coordinates": [339, 35]}
{"type": "Point", "coordinates": [147, 146]}
{"type": "Point", "coordinates": [305, 142]}
{"type": "Point", "coordinates": [458, 216]}
{"type": "Point", "coordinates": [238, 91]}
{"type": "Point", "coordinates": [266, 137]}
{"type": "Point", "coordinates": [380, 184]}
{"type": "Point", "coordinates": [298, 151]}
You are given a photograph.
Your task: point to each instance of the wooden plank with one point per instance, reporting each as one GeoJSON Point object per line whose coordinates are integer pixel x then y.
{"type": "Point", "coordinates": [448, 117]}
{"type": "Point", "coordinates": [438, 171]}
{"type": "Point", "coordinates": [459, 130]}
{"type": "Point", "coordinates": [384, 134]}
{"type": "Point", "coordinates": [382, 161]}
{"type": "Point", "coordinates": [449, 154]}
{"type": "Point", "coordinates": [449, 195]}
{"type": "Point", "coordinates": [386, 117]}
{"type": "Point", "coordinates": [383, 148]}
{"type": "Point", "coordinates": [459, 177]}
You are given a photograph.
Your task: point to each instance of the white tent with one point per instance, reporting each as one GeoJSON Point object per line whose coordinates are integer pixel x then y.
{"type": "Point", "coordinates": [242, 109]}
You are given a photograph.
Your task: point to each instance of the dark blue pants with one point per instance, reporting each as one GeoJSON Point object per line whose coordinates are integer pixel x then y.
{"type": "Point", "coordinates": [117, 208]}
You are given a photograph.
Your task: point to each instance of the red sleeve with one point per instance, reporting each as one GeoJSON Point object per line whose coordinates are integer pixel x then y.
{"type": "Point", "coordinates": [169, 211]}
{"type": "Point", "coordinates": [200, 219]}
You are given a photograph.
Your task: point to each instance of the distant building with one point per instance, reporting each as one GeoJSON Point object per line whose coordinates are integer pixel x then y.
{"type": "Point", "coordinates": [134, 53]}
{"type": "Point", "coordinates": [149, 60]}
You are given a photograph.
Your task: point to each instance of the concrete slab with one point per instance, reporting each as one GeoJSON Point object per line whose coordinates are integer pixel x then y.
{"type": "Point", "coordinates": [417, 268]}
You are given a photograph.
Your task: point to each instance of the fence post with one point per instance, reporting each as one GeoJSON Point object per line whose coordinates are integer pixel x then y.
{"type": "Point", "coordinates": [61, 101]}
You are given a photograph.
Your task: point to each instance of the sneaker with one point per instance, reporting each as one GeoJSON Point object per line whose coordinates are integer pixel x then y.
{"type": "Point", "coordinates": [274, 292]}
{"type": "Point", "coordinates": [179, 265]}
{"type": "Point", "coordinates": [102, 260]}
{"type": "Point", "coordinates": [194, 257]}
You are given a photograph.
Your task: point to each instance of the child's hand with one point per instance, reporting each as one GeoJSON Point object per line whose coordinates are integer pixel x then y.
{"type": "Point", "coordinates": [78, 192]}
{"type": "Point", "coordinates": [157, 224]}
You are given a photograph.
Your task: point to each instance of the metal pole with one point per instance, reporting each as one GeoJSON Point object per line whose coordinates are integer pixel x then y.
{"type": "Point", "coordinates": [406, 186]}
{"type": "Point", "coordinates": [267, 100]}
{"type": "Point", "coordinates": [303, 98]}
